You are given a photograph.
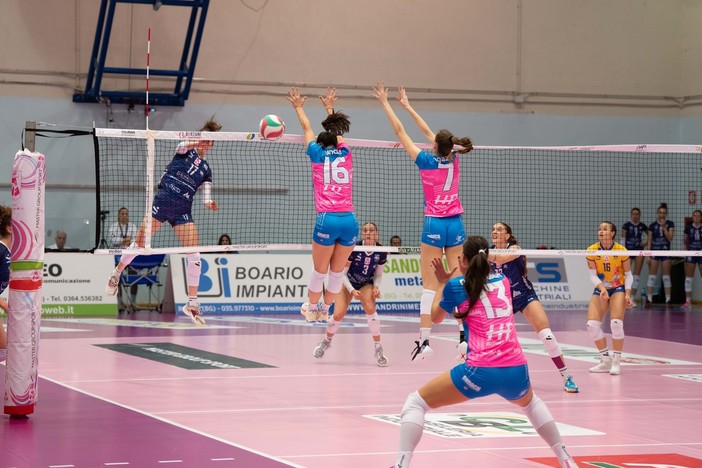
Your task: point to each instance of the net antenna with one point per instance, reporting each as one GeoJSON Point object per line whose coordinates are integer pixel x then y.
{"type": "Point", "coordinates": [150, 150]}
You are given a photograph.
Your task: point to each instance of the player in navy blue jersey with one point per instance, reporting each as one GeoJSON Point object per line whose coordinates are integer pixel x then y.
{"type": "Point", "coordinates": [5, 245]}
{"type": "Point", "coordinates": [693, 241]}
{"type": "Point", "coordinates": [183, 176]}
{"type": "Point", "coordinates": [525, 299]}
{"type": "Point", "coordinates": [633, 233]}
{"type": "Point", "coordinates": [662, 232]}
{"type": "Point", "coordinates": [363, 274]}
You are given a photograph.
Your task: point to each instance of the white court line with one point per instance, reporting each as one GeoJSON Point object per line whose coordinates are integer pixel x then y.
{"type": "Point", "coordinates": [500, 448]}
{"type": "Point", "coordinates": [172, 423]}
{"type": "Point", "coordinates": [398, 405]}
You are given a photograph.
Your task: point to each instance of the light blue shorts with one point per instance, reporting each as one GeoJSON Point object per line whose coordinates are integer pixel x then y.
{"type": "Point", "coordinates": [511, 383]}
{"type": "Point", "coordinates": [331, 228]}
{"type": "Point", "coordinates": [443, 232]}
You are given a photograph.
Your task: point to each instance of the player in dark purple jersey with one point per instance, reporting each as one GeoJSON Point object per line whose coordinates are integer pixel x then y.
{"type": "Point", "coordinates": [184, 175]}
{"type": "Point", "coordinates": [662, 232]}
{"type": "Point", "coordinates": [524, 298]}
{"type": "Point", "coordinates": [633, 233]}
{"type": "Point", "coordinates": [5, 246]}
{"type": "Point", "coordinates": [364, 271]}
{"type": "Point", "coordinates": [693, 241]}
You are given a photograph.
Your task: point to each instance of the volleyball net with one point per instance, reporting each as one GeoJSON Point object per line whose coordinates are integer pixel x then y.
{"type": "Point", "coordinates": [552, 197]}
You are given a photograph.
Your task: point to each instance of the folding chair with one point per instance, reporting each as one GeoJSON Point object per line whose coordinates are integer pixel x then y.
{"type": "Point", "coordinates": [143, 271]}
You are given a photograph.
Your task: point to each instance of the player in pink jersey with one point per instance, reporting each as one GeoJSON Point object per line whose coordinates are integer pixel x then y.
{"type": "Point", "coordinates": [443, 230]}
{"type": "Point", "coordinates": [336, 229]}
{"type": "Point", "coordinates": [495, 363]}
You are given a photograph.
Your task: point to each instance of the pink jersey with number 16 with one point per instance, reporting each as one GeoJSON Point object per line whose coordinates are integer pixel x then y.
{"type": "Point", "coordinates": [332, 176]}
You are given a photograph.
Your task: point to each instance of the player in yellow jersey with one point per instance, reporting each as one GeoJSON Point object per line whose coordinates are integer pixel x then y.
{"type": "Point", "coordinates": [611, 275]}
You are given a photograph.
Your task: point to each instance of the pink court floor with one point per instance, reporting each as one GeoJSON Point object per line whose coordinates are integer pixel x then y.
{"type": "Point", "coordinates": [149, 389]}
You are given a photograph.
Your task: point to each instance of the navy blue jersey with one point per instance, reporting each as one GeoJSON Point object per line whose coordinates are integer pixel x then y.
{"type": "Point", "coordinates": [363, 265]}
{"type": "Point", "coordinates": [4, 267]}
{"type": "Point", "coordinates": [515, 271]}
{"type": "Point", "coordinates": [184, 175]}
{"type": "Point", "coordinates": [659, 241]}
{"type": "Point", "coordinates": [633, 240]}
{"type": "Point", "coordinates": [694, 237]}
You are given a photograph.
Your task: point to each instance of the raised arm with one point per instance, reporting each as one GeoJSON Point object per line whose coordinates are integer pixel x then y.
{"type": "Point", "coordinates": [328, 101]}
{"type": "Point", "coordinates": [423, 127]}
{"type": "Point", "coordinates": [297, 102]}
{"type": "Point", "coordinates": [380, 92]}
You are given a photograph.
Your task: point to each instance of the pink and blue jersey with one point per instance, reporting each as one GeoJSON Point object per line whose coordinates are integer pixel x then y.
{"type": "Point", "coordinates": [332, 176]}
{"type": "Point", "coordinates": [440, 180]}
{"type": "Point", "coordinates": [492, 335]}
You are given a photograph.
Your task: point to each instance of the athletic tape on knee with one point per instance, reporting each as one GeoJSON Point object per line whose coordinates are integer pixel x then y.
{"type": "Point", "coordinates": [537, 412]}
{"type": "Point", "coordinates": [666, 281]}
{"type": "Point", "coordinates": [336, 281]}
{"type": "Point", "coordinates": [425, 302]}
{"type": "Point", "coordinates": [414, 410]}
{"type": "Point", "coordinates": [549, 340]}
{"type": "Point", "coordinates": [636, 282]}
{"type": "Point", "coordinates": [374, 324]}
{"type": "Point", "coordinates": [193, 269]}
{"type": "Point", "coordinates": [688, 285]}
{"type": "Point", "coordinates": [651, 281]}
{"type": "Point", "coordinates": [594, 328]}
{"type": "Point", "coordinates": [617, 327]}
{"type": "Point", "coordinates": [316, 281]}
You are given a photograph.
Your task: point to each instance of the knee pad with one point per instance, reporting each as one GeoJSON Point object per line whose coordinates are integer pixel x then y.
{"type": "Point", "coordinates": [193, 269]}
{"type": "Point", "coordinates": [316, 281]}
{"type": "Point", "coordinates": [336, 281]}
{"type": "Point", "coordinates": [688, 285]}
{"type": "Point", "coordinates": [374, 324]}
{"type": "Point", "coordinates": [594, 328]}
{"type": "Point", "coordinates": [425, 302]}
{"type": "Point", "coordinates": [333, 326]}
{"type": "Point", "coordinates": [651, 281]}
{"type": "Point", "coordinates": [666, 281]}
{"type": "Point", "coordinates": [617, 327]}
{"type": "Point", "coordinates": [635, 284]}
{"type": "Point", "coordinates": [414, 410]}
{"type": "Point", "coordinates": [537, 412]}
{"type": "Point", "coordinates": [549, 341]}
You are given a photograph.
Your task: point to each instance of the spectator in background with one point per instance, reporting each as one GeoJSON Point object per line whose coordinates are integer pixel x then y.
{"type": "Point", "coordinates": [395, 241]}
{"type": "Point", "coordinates": [693, 241]}
{"type": "Point", "coordinates": [224, 239]}
{"type": "Point", "coordinates": [662, 232]}
{"type": "Point", "coordinates": [633, 239]}
{"type": "Point", "coordinates": [60, 241]}
{"type": "Point", "coordinates": [122, 234]}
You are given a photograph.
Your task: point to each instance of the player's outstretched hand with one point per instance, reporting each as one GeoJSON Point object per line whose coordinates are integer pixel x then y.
{"type": "Point", "coordinates": [211, 205]}
{"type": "Point", "coordinates": [440, 270]}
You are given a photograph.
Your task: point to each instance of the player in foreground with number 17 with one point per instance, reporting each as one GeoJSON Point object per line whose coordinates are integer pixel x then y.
{"type": "Point", "coordinates": [495, 363]}
{"type": "Point", "coordinates": [336, 229]}
{"type": "Point", "coordinates": [443, 231]}
{"type": "Point", "coordinates": [187, 171]}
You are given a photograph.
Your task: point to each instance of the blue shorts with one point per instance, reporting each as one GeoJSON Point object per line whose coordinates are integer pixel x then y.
{"type": "Point", "coordinates": [522, 299]}
{"type": "Point", "coordinates": [443, 232]}
{"type": "Point", "coordinates": [166, 209]}
{"type": "Point", "coordinates": [511, 383]}
{"type": "Point", "coordinates": [660, 259]}
{"type": "Point", "coordinates": [695, 260]}
{"type": "Point", "coordinates": [610, 291]}
{"type": "Point", "coordinates": [331, 228]}
{"type": "Point", "coordinates": [358, 286]}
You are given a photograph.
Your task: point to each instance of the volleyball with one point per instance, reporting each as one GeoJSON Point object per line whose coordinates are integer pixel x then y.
{"type": "Point", "coordinates": [272, 127]}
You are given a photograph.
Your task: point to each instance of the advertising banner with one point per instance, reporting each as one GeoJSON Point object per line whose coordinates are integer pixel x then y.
{"type": "Point", "coordinates": [273, 283]}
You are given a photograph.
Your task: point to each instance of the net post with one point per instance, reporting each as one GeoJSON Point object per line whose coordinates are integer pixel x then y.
{"type": "Point", "coordinates": [30, 135]}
